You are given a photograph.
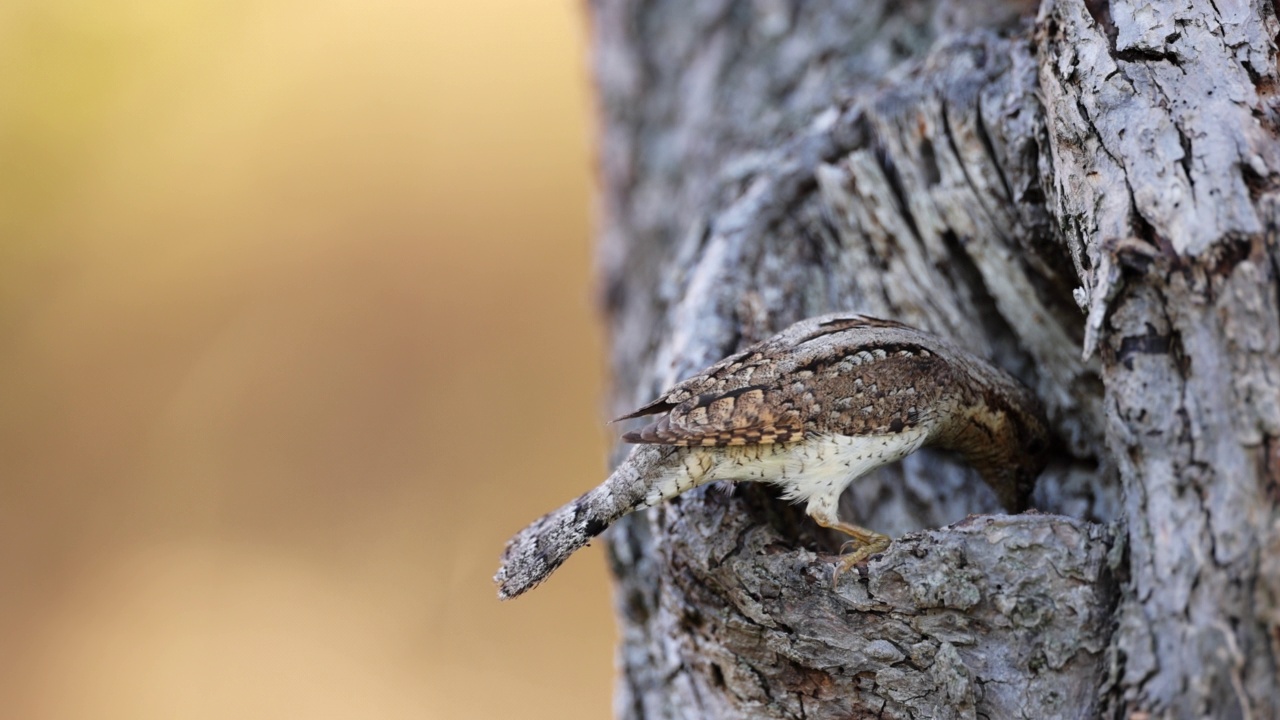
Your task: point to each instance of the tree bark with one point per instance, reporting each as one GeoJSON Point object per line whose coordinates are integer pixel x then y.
{"type": "Point", "coordinates": [1085, 194]}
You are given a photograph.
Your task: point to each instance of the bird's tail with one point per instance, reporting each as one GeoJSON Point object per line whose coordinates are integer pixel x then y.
{"type": "Point", "coordinates": [535, 552]}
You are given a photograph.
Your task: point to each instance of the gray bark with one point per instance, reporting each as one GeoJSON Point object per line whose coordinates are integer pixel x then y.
{"type": "Point", "coordinates": [1088, 198]}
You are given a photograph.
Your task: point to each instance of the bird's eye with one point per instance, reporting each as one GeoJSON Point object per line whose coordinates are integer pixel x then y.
{"type": "Point", "coordinates": [1037, 446]}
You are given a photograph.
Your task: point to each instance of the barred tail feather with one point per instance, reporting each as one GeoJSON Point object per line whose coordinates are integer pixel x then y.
{"type": "Point", "coordinates": [535, 552]}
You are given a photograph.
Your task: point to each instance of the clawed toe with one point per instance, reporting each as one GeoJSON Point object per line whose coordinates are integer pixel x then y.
{"type": "Point", "coordinates": [862, 543]}
{"type": "Point", "coordinates": [861, 552]}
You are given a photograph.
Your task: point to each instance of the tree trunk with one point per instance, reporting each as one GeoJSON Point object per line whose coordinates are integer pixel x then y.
{"type": "Point", "coordinates": [1089, 198]}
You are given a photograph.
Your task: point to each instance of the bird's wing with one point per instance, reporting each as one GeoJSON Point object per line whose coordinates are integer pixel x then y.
{"type": "Point", "coordinates": [754, 366]}
{"type": "Point", "coordinates": [758, 364]}
{"type": "Point", "coordinates": [752, 415]}
{"type": "Point", "coordinates": [845, 389]}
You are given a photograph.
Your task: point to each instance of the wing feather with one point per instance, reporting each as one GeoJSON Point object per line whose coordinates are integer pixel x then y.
{"type": "Point", "coordinates": [753, 415]}
{"type": "Point", "coordinates": [769, 393]}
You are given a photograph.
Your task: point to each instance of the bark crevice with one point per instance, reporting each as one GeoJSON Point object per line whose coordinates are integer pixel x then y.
{"type": "Point", "coordinates": [984, 179]}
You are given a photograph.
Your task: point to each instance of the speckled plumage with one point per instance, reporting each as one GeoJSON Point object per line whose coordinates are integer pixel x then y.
{"type": "Point", "coordinates": [811, 409]}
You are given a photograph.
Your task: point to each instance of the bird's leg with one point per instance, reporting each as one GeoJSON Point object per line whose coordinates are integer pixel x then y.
{"type": "Point", "coordinates": [864, 542]}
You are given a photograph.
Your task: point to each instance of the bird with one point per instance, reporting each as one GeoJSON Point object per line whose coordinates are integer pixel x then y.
{"type": "Point", "coordinates": [809, 410]}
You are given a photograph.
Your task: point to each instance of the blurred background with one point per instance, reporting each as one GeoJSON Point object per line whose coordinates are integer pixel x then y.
{"type": "Point", "coordinates": [297, 328]}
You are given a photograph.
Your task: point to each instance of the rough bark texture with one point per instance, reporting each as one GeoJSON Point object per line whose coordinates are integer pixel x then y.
{"type": "Point", "coordinates": [1084, 194]}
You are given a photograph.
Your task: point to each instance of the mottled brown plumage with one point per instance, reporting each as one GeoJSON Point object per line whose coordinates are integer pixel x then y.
{"type": "Point", "coordinates": [810, 409]}
{"type": "Point", "coordinates": [799, 383]}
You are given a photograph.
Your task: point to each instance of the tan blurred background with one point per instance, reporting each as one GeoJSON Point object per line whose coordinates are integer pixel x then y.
{"type": "Point", "coordinates": [297, 329]}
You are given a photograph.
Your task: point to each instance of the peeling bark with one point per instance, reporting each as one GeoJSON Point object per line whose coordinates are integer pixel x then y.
{"type": "Point", "coordinates": [1164, 161]}
{"type": "Point", "coordinates": [1090, 202]}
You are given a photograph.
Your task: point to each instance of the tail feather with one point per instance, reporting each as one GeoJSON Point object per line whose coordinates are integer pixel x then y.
{"type": "Point", "coordinates": [643, 479]}
{"type": "Point", "coordinates": [535, 552]}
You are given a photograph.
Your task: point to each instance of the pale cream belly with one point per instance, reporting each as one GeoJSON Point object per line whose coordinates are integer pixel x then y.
{"type": "Point", "coordinates": [815, 470]}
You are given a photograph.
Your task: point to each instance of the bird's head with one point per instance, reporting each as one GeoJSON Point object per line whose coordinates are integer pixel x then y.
{"type": "Point", "coordinates": [1020, 451]}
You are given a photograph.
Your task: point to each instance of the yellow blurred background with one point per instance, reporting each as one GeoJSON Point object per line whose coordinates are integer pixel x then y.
{"type": "Point", "coordinates": [297, 329]}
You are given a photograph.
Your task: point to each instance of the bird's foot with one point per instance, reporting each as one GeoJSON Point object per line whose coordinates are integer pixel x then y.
{"type": "Point", "coordinates": [864, 544]}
